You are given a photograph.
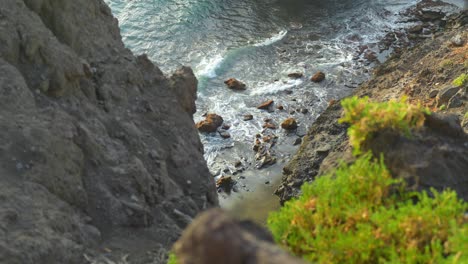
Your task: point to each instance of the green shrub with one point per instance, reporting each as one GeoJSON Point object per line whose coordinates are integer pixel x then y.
{"type": "Point", "coordinates": [367, 117]}
{"type": "Point", "coordinates": [172, 259]}
{"type": "Point", "coordinates": [360, 214]}
{"type": "Point", "coordinates": [461, 80]}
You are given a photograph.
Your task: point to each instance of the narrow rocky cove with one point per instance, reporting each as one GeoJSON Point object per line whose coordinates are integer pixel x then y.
{"type": "Point", "coordinates": [110, 148]}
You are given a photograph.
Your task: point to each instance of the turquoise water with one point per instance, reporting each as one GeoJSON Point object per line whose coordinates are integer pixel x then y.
{"type": "Point", "coordinates": [258, 42]}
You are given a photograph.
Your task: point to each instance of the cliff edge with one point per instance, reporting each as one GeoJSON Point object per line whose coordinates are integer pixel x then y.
{"type": "Point", "coordinates": [99, 157]}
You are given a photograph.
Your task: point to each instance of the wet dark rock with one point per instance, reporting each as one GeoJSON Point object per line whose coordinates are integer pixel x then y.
{"type": "Point", "coordinates": [225, 183]}
{"type": "Point", "coordinates": [433, 93]}
{"type": "Point", "coordinates": [238, 164]}
{"type": "Point", "coordinates": [298, 141]}
{"type": "Point", "coordinates": [264, 157]}
{"type": "Point", "coordinates": [446, 94]}
{"type": "Point", "coordinates": [224, 134]}
{"type": "Point", "coordinates": [289, 124]}
{"type": "Point", "coordinates": [304, 110]}
{"type": "Point", "coordinates": [455, 101]}
{"type": "Point", "coordinates": [295, 75]}
{"type": "Point", "coordinates": [210, 124]}
{"type": "Point", "coordinates": [265, 105]}
{"type": "Point", "coordinates": [215, 238]}
{"type": "Point", "coordinates": [235, 84]}
{"type": "Point", "coordinates": [247, 117]}
{"type": "Point", "coordinates": [318, 77]}
{"type": "Point", "coordinates": [268, 125]}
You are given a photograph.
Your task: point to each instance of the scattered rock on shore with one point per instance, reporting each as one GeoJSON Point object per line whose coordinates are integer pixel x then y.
{"type": "Point", "coordinates": [289, 124]}
{"type": "Point", "coordinates": [247, 117]}
{"type": "Point", "coordinates": [235, 84]}
{"type": "Point", "coordinates": [225, 183]}
{"type": "Point", "coordinates": [224, 134]}
{"type": "Point", "coordinates": [269, 125]}
{"type": "Point", "coordinates": [266, 105]}
{"type": "Point", "coordinates": [295, 75]}
{"type": "Point", "coordinates": [318, 77]}
{"type": "Point", "coordinates": [210, 124]}
{"type": "Point", "coordinates": [446, 94]}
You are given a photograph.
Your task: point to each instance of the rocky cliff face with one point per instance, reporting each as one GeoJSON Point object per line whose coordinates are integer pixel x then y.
{"type": "Point", "coordinates": [98, 150]}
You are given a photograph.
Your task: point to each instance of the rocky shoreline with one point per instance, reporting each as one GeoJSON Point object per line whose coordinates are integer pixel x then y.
{"type": "Point", "coordinates": [436, 156]}
{"type": "Point", "coordinates": [424, 74]}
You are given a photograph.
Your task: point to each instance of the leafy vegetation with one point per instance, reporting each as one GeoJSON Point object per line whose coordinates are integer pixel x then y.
{"type": "Point", "coordinates": [367, 117]}
{"type": "Point", "coordinates": [359, 214]}
{"type": "Point", "coordinates": [461, 80]}
{"type": "Point", "coordinates": [172, 259]}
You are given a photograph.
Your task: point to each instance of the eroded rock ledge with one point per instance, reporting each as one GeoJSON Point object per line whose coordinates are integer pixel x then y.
{"type": "Point", "coordinates": [98, 150]}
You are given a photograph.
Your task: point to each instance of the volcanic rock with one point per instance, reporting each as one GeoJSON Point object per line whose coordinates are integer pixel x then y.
{"type": "Point", "coordinates": [235, 84]}
{"type": "Point", "coordinates": [210, 124]}
{"type": "Point", "coordinates": [289, 124]}
{"type": "Point", "coordinates": [265, 105]}
{"type": "Point", "coordinates": [247, 117]}
{"type": "Point", "coordinates": [295, 75]}
{"type": "Point", "coordinates": [318, 77]}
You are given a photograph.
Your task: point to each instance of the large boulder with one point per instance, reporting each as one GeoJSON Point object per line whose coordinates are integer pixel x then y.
{"type": "Point", "coordinates": [289, 124]}
{"type": "Point", "coordinates": [235, 84]}
{"type": "Point", "coordinates": [210, 124]}
{"type": "Point", "coordinates": [318, 77]}
{"type": "Point", "coordinates": [216, 238]}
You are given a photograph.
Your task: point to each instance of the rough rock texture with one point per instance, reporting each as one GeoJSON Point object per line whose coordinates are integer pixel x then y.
{"type": "Point", "coordinates": [210, 124]}
{"type": "Point", "coordinates": [215, 238]}
{"type": "Point", "coordinates": [289, 124]}
{"type": "Point", "coordinates": [436, 156]}
{"type": "Point", "coordinates": [325, 136]}
{"type": "Point", "coordinates": [318, 77]}
{"type": "Point", "coordinates": [235, 84]}
{"type": "Point", "coordinates": [98, 149]}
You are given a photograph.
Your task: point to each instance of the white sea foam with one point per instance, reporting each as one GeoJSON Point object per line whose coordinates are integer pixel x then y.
{"type": "Point", "coordinates": [208, 66]}
{"type": "Point", "coordinates": [276, 87]}
{"type": "Point", "coordinates": [272, 39]}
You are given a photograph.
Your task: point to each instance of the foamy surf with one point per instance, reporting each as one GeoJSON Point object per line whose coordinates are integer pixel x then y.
{"type": "Point", "coordinates": [208, 66]}
{"type": "Point", "coordinates": [276, 87]}
{"type": "Point", "coordinates": [272, 39]}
